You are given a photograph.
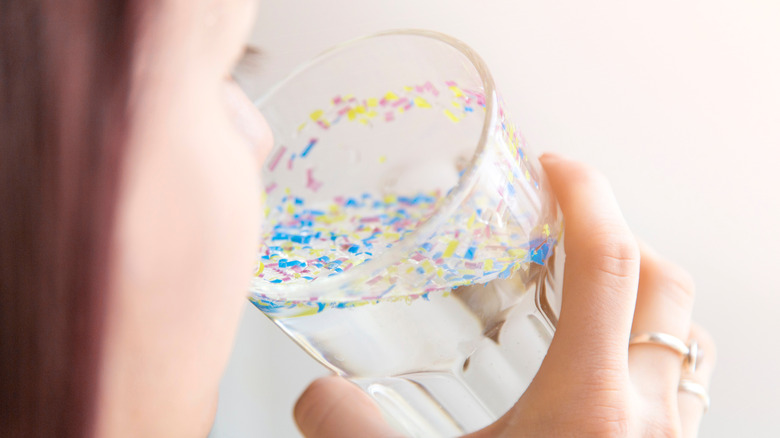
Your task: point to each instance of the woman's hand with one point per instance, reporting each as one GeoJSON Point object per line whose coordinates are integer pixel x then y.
{"type": "Point", "coordinates": [590, 383]}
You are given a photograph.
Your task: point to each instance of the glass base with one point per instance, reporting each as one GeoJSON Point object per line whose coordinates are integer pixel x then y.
{"type": "Point", "coordinates": [488, 382]}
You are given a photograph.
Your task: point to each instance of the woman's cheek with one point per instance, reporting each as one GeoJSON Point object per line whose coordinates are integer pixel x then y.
{"type": "Point", "coordinates": [238, 231]}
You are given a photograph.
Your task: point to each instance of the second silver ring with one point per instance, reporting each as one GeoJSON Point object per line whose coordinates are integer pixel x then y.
{"type": "Point", "coordinates": [690, 352]}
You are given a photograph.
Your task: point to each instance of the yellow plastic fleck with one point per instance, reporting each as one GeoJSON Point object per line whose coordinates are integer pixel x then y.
{"type": "Point", "coordinates": [517, 252]}
{"type": "Point", "coordinates": [452, 117]}
{"type": "Point", "coordinates": [362, 303]}
{"type": "Point", "coordinates": [470, 223]}
{"type": "Point", "coordinates": [420, 102]}
{"type": "Point", "coordinates": [309, 310]}
{"type": "Point", "coordinates": [450, 248]}
{"type": "Point", "coordinates": [316, 115]}
{"type": "Point", "coordinates": [351, 114]}
{"type": "Point", "coordinates": [456, 104]}
{"type": "Point", "coordinates": [301, 126]}
{"type": "Point", "coordinates": [372, 102]}
{"type": "Point", "coordinates": [382, 159]}
{"type": "Point", "coordinates": [488, 265]}
{"type": "Point", "coordinates": [527, 175]}
{"type": "Point", "coordinates": [360, 109]}
{"type": "Point", "coordinates": [260, 269]}
{"type": "Point", "coordinates": [391, 96]}
{"type": "Point", "coordinates": [408, 88]}
{"type": "Point", "coordinates": [546, 230]}
{"type": "Point", "coordinates": [456, 91]}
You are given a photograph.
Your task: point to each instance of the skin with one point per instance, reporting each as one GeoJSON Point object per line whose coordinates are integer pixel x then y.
{"type": "Point", "coordinates": [184, 250]}
{"type": "Point", "coordinates": [188, 223]}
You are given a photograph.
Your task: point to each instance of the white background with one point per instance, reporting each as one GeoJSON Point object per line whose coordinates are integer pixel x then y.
{"type": "Point", "coordinates": [677, 101]}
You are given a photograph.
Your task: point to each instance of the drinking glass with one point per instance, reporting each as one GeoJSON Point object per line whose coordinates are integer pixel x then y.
{"type": "Point", "coordinates": [410, 242]}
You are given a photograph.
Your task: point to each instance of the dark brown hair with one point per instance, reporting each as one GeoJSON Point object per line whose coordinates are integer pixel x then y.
{"type": "Point", "coordinates": [65, 71]}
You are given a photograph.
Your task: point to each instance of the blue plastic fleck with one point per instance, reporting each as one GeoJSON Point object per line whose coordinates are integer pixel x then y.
{"type": "Point", "coordinates": [308, 148]}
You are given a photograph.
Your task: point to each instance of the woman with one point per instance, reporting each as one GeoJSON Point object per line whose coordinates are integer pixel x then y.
{"type": "Point", "coordinates": [130, 203]}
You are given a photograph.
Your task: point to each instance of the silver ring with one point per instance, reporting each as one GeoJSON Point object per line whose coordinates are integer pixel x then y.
{"type": "Point", "coordinates": [696, 389]}
{"type": "Point", "coordinates": [691, 353]}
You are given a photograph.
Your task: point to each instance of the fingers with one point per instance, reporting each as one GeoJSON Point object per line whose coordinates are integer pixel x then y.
{"type": "Point", "coordinates": [334, 407]}
{"type": "Point", "coordinates": [601, 274]}
{"type": "Point", "coordinates": [691, 407]}
{"type": "Point", "coordinates": [664, 304]}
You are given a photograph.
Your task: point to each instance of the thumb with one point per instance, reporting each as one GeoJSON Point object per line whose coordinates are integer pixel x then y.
{"type": "Point", "coordinates": [333, 407]}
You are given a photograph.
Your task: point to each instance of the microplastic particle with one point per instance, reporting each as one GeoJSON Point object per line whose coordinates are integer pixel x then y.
{"type": "Point", "coordinates": [308, 242]}
{"type": "Point", "coordinates": [450, 249]}
{"type": "Point", "coordinates": [451, 116]}
{"type": "Point", "coordinates": [275, 160]}
{"type": "Point", "coordinates": [311, 144]}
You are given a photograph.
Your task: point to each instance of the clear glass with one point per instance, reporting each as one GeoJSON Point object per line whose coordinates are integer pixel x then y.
{"type": "Point", "coordinates": [410, 243]}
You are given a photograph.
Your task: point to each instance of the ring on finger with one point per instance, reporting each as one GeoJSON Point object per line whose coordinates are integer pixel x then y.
{"type": "Point", "coordinates": [690, 352]}
{"type": "Point", "coordinates": [696, 389]}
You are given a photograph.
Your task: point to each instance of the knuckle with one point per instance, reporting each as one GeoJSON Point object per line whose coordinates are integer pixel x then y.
{"type": "Point", "coordinates": [615, 426]}
{"type": "Point", "coordinates": [607, 421]}
{"type": "Point", "coordinates": [614, 251]}
{"type": "Point", "coordinates": [665, 423]}
{"type": "Point", "coordinates": [604, 405]}
{"type": "Point", "coordinates": [679, 290]}
{"type": "Point", "coordinates": [662, 428]}
{"type": "Point", "coordinates": [675, 281]}
{"type": "Point", "coordinates": [683, 281]}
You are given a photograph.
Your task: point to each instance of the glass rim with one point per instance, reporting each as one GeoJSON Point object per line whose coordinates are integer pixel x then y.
{"type": "Point", "coordinates": [452, 200]}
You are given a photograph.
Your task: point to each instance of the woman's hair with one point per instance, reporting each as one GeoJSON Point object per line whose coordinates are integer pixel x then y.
{"type": "Point", "coordinates": [65, 76]}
